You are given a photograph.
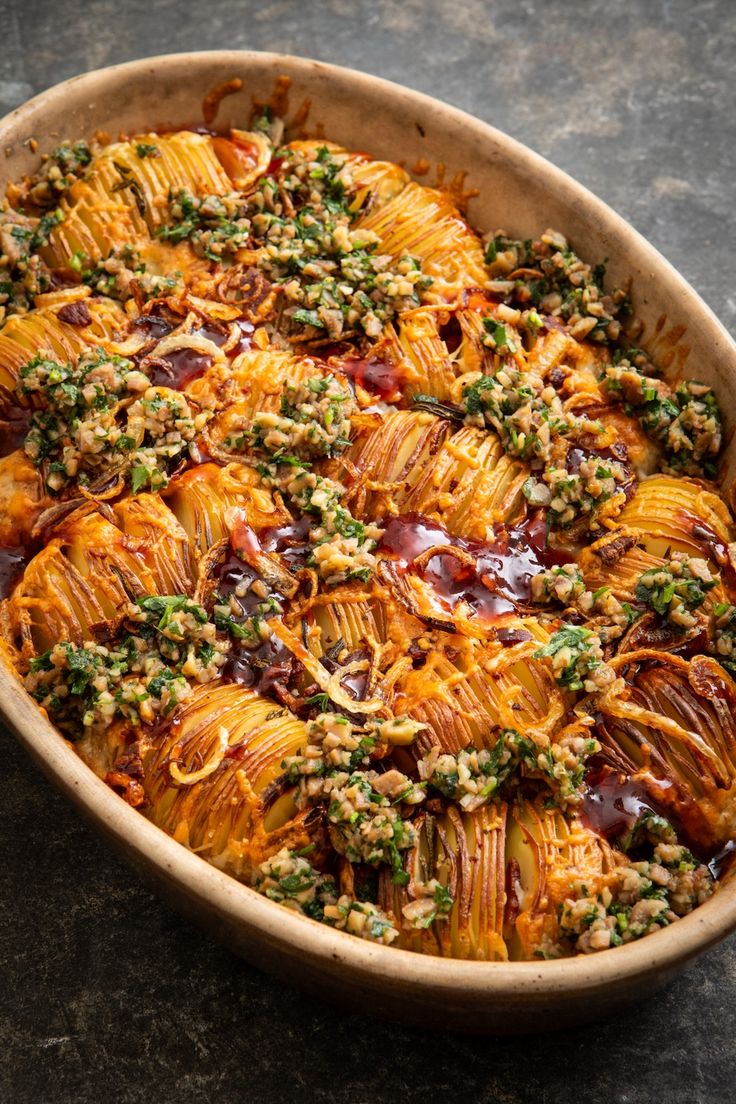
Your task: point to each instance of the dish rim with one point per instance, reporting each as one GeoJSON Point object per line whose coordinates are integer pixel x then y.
{"type": "Point", "coordinates": [220, 894]}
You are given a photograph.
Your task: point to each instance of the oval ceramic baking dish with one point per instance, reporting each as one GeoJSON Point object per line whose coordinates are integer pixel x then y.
{"type": "Point", "coordinates": [521, 192]}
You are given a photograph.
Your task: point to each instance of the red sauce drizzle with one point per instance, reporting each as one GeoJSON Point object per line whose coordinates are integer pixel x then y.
{"type": "Point", "coordinates": [269, 664]}
{"type": "Point", "coordinates": [408, 536]}
{"type": "Point", "coordinates": [244, 539]}
{"type": "Point", "coordinates": [178, 368]}
{"type": "Point", "coordinates": [375, 375]}
{"type": "Point", "coordinates": [713, 545]}
{"type": "Point", "coordinates": [155, 326]}
{"type": "Point", "coordinates": [219, 333]}
{"type": "Point", "coordinates": [355, 684]}
{"type": "Point", "coordinates": [499, 577]}
{"type": "Point", "coordinates": [451, 333]}
{"type": "Point", "coordinates": [701, 531]}
{"type": "Point", "coordinates": [181, 366]}
{"type": "Point", "coordinates": [246, 337]}
{"type": "Point", "coordinates": [508, 637]}
{"type": "Point", "coordinates": [454, 581]}
{"type": "Point", "coordinates": [259, 669]}
{"type": "Point", "coordinates": [290, 541]}
{"type": "Point", "coordinates": [613, 803]}
{"type": "Point", "coordinates": [12, 563]}
{"type": "Point", "coordinates": [13, 430]}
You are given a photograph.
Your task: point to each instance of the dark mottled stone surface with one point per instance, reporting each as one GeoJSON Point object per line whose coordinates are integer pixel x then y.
{"type": "Point", "coordinates": [105, 993]}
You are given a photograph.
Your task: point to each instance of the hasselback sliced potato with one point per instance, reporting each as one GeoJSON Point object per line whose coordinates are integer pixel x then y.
{"type": "Point", "coordinates": [617, 560]}
{"type": "Point", "coordinates": [97, 220]}
{"type": "Point", "coordinates": [678, 514]}
{"type": "Point", "coordinates": [209, 500]}
{"type": "Point", "coordinates": [552, 349]}
{"type": "Point", "coordinates": [423, 222]}
{"type": "Point", "coordinates": [547, 854]}
{"type": "Point", "coordinates": [184, 160]}
{"type": "Point", "coordinates": [44, 331]}
{"type": "Point", "coordinates": [254, 382]}
{"type": "Point", "coordinates": [471, 857]}
{"type": "Point", "coordinates": [387, 459]}
{"type": "Point", "coordinates": [675, 731]}
{"type": "Point", "coordinates": [465, 853]}
{"type": "Point", "coordinates": [470, 485]}
{"type": "Point", "coordinates": [413, 464]}
{"type": "Point", "coordinates": [425, 366]}
{"type": "Point", "coordinates": [148, 524]}
{"type": "Point", "coordinates": [344, 615]}
{"type": "Point", "coordinates": [466, 691]}
{"type": "Point", "coordinates": [123, 196]}
{"type": "Point", "coordinates": [666, 516]}
{"type": "Point", "coordinates": [87, 572]}
{"type": "Point", "coordinates": [375, 182]}
{"type": "Point", "coordinates": [207, 779]}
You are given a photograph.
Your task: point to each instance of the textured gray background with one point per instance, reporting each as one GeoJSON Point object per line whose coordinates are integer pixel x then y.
{"type": "Point", "coordinates": [107, 995]}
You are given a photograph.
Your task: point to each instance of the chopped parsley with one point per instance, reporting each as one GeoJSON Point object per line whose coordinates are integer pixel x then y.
{"type": "Point", "coordinates": [576, 656]}
{"type": "Point", "coordinates": [675, 589]}
{"type": "Point", "coordinates": [138, 674]}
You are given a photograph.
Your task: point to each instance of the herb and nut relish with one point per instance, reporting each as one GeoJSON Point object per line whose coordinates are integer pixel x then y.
{"type": "Point", "coordinates": [363, 553]}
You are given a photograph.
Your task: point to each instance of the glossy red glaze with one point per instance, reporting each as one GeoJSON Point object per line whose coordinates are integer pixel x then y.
{"type": "Point", "coordinates": [13, 429]}
{"type": "Point", "coordinates": [497, 579]}
{"type": "Point", "coordinates": [178, 368]}
{"type": "Point", "coordinates": [613, 803]}
{"type": "Point", "coordinates": [376, 375]}
{"type": "Point", "coordinates": [12, 562]}
{"type": "Point", "coordinates": [290, 541]}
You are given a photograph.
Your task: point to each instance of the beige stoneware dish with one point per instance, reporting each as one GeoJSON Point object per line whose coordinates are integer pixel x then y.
{"type": "Point", "coordinates": [522, 193]}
